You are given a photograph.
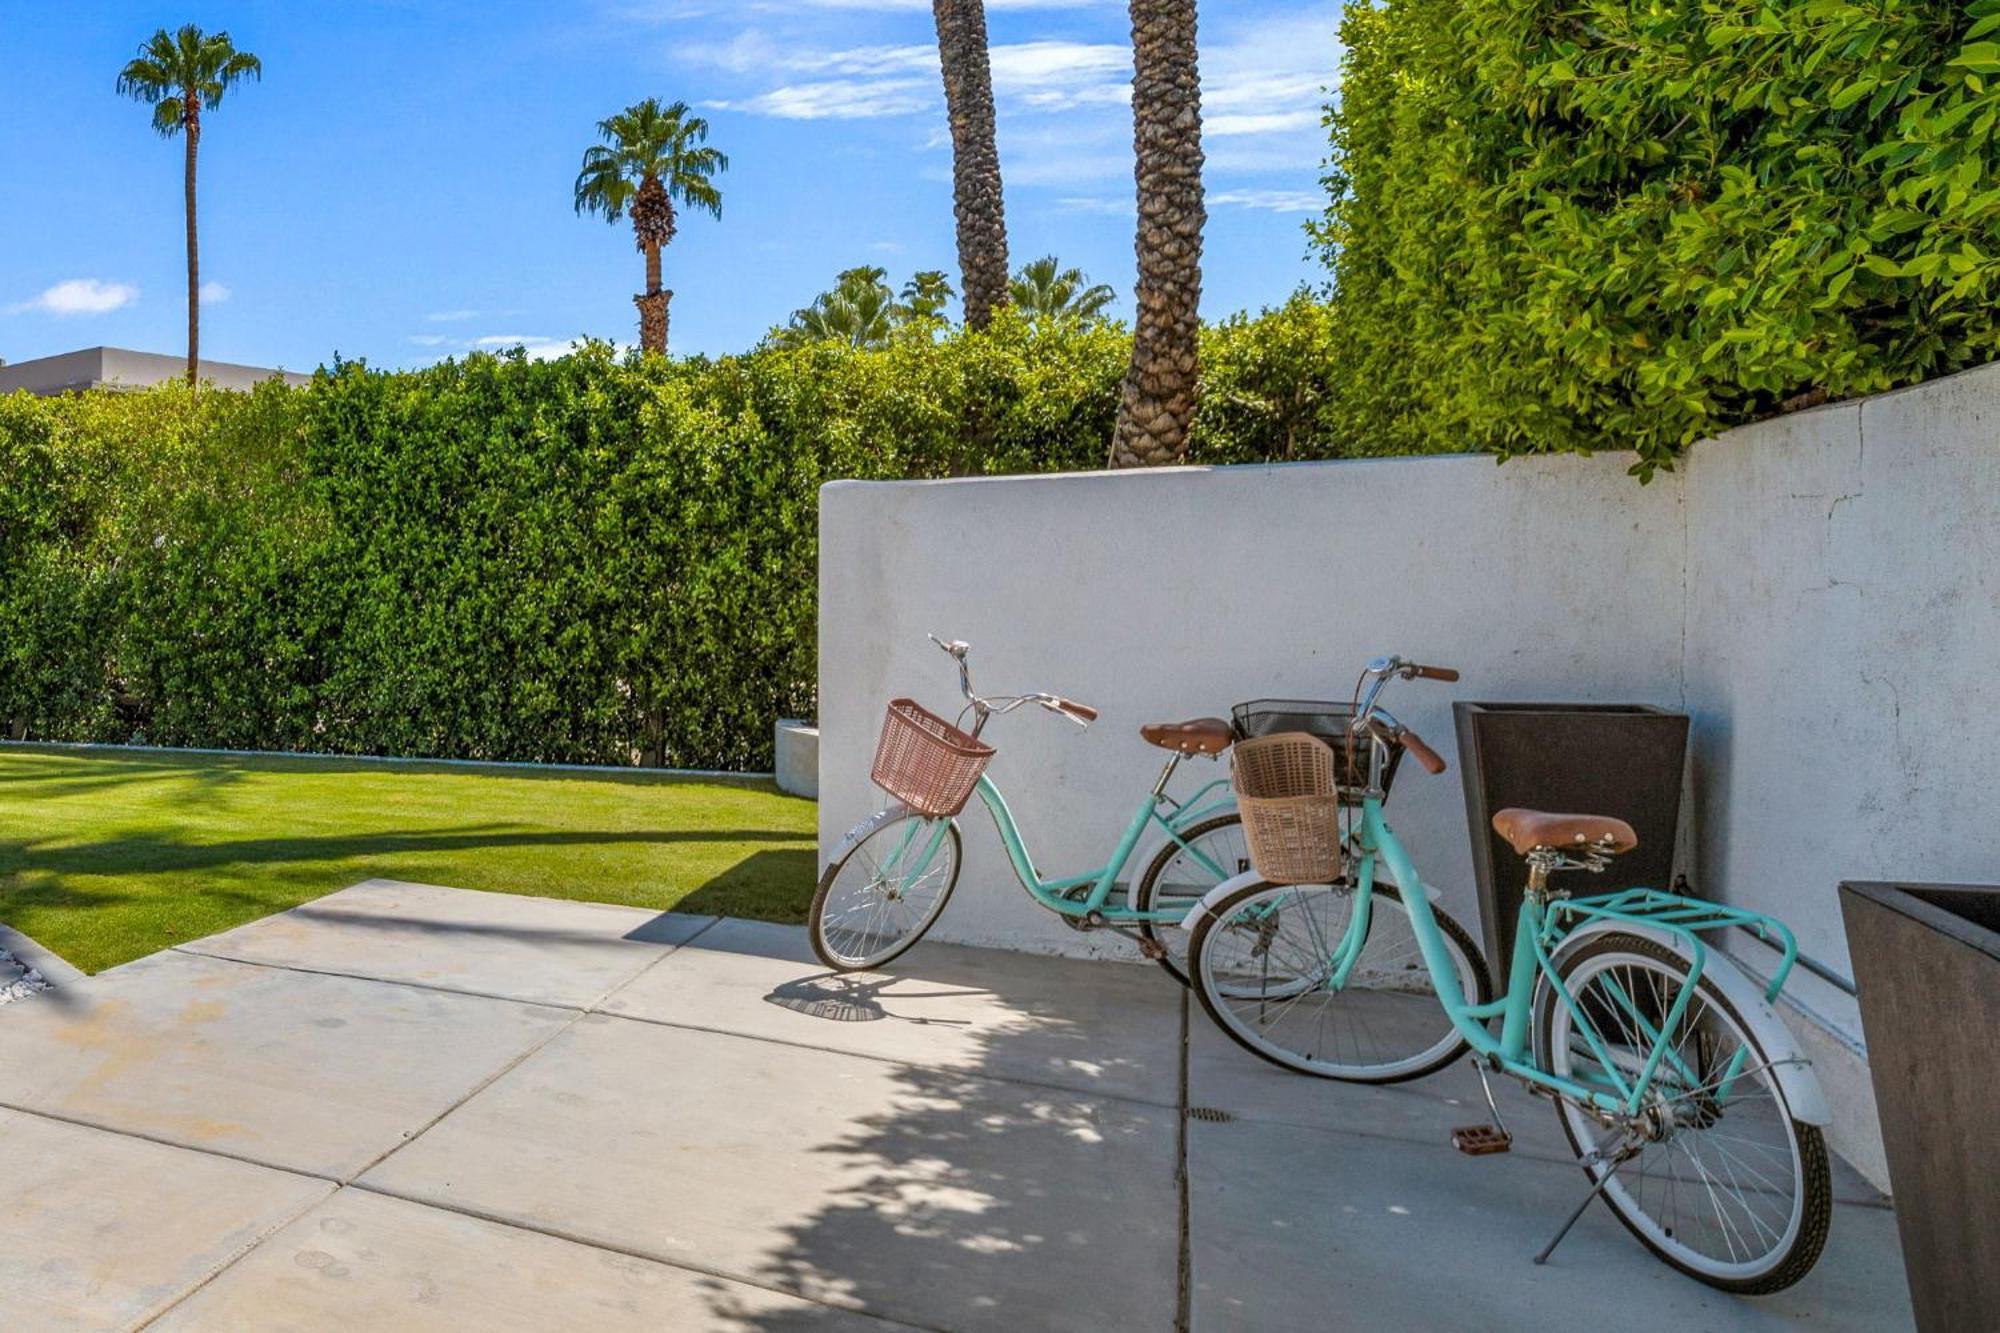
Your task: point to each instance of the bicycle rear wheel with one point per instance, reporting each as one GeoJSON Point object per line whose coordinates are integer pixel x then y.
{"type": "Point", "coordinates": [1177, 880]}
{"type": "Point", "coordinates": [1720, 1180]}
{"type": "Point", "coordinates": [1263, 965]}
{"type": "Point", "coordinates": [882, 895]}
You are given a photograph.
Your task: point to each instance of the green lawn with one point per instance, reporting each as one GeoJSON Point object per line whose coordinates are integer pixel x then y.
{"type": "Point", "coordinates": [107, 855]}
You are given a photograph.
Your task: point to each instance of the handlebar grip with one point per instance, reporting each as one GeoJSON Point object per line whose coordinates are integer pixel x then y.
{"type": "Point", "coordinates": [1081, 712]}
{"type": "Point", "coordinates": [1435, 672]}
{"type": "Point", "coordinates": [1432, 761]}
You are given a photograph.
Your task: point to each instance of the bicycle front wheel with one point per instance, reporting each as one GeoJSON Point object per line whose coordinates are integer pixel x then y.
{"type": "Point", "coordinates": [1265, 965]}
{"type": "Point", "coordinates": [1713, 1174]}
{"type": "Point", "coordinates": [881, 896]}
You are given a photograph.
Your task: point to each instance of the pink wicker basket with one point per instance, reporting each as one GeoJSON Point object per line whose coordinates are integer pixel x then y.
{"type": "Point", "coordinates": [1290, 805]}
{"type": "Point", "coordinates": [925, 762]}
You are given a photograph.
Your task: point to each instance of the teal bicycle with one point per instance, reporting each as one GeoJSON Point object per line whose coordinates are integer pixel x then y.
{"type": "Point", "coordinates": [1693, 1113]}
{"type": "Point", "coordinates": [890, 877]}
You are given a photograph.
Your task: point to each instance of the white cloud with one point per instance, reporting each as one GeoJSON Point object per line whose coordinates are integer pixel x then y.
{"type": "Point", "coordinates": [877, 81]}
{"type": "Point", "coordinates": [214, 293]}
{"type": "Point", "coordinates": [450, 316]}
{"type": "Point", "coordinates": [837, 99]}
{"type": "Point", "coordinates": [80, 296]}
{"type": "Point", "coordinates": [428, 339]}
{"type": "Point", "coordinates": [1257, 122]}
{"type": "Point", "coordinates": [1021, 65]}
{"type": "Point", "coordinates": [1117, 208]}
{"type": "Point", "coordinates": [754, 52]}
{"type": "Point", "coordinates": [1275, 201]}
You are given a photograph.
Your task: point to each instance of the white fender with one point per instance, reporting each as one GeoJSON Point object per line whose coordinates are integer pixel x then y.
{"type": "Point", "coordinates": [1209, 900]}
{"type": "Point", "coordinates": [1789, 1065]}
{"type": "Point", "coordinates": [864, 828]}
{"type": "Point", "coordinates": [1215, 895]}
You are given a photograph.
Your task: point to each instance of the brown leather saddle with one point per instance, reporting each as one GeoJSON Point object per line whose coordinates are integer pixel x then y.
{"type": "Point", "coordinates": [1527, 830]}
{"type": "Point", "coordinates": [1202, 735]}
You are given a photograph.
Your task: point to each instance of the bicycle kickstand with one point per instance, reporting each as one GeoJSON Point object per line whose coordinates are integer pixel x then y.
{"type": "Point", "coordinates": [1597, 1187]}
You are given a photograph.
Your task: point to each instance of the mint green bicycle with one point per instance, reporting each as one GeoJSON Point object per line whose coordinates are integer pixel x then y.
{"type": "Point", "coordinates": [890, 877]}
{"type": "Point", "coordinates": [1694, 1115]}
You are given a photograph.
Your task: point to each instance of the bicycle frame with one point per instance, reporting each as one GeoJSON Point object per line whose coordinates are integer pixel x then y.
{"type": "Point", "coordinates": [1101, 882]}
{"type": "Point", "coordinates": [1544, 923]}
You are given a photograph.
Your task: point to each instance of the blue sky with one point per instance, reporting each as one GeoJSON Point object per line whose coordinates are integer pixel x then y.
{"type": "Point", "coordinates": [398, 186]}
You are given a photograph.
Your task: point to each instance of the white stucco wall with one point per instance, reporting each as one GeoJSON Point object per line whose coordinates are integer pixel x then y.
{"type": "Point", "coordinates": [1175, 593]}
{"type": "Point", "coordinates": [1842, 664]}
{"type": "Point", "coordinates": [1821, 591]}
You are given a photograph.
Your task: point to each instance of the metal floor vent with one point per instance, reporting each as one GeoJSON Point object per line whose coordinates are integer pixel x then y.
{"type": "Point", "coordinates": [1213, 1115]}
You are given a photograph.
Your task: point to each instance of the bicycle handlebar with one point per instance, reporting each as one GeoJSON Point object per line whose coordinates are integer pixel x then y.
{"type": "Point", "coordinates": [1432, 761]}
{"type": "Point", "coordinates": [1377, 722]}
{"type": "Point", "coordinates": [1081, 714]}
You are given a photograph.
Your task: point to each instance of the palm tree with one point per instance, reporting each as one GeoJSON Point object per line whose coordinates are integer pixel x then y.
{"type": "Point", "coordinates": [1045, 290]}
{"type": "Point", "coordinates": [860, 311]}
{"type": "Point", "coordinates": [975, 158]}
{"type": "Point", "coordinates": [651, 156]}
{"type": "Point", "coordinates": [926, 295]}
{"type": "Point", "coordinates": [180, 75]}
{"type": "Point", "coordinates": [1157, 400]}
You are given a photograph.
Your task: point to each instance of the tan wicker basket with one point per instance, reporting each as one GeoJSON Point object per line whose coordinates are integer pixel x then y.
{"type": "Point", "coordinates": [925, 762]}
{"type": "Point", "coordinates": [1290, 804]}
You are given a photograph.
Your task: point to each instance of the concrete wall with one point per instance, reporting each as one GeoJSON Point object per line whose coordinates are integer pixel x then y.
{"type": "Point", "coordinates": [795, 745]}
{"type": "Point", "coordinates": [1821, 591]}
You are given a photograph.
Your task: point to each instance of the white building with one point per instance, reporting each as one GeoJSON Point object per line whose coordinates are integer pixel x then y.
{"type": "Point", "coordinates": [119, 368]}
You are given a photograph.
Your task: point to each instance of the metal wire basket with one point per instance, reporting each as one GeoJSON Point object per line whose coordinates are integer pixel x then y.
{"type": "Point", "coordinates": [925, 762]}
{"type": "Point", "coordinates": [1290, 803]}
{"type": "Point", "coordinates": [1326, 720]}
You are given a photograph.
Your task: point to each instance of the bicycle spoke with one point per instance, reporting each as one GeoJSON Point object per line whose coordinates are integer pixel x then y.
{"type": "Point", "coordinates": [868, 914]}
{"type": "Point", "coordinates": [1717, 1179]}
{"type": "Point", "coordinates": [1269, 978]}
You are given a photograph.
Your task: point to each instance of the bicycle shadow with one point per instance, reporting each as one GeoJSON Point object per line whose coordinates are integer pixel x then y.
{"type": "Point", "coordinates": [837, 997]}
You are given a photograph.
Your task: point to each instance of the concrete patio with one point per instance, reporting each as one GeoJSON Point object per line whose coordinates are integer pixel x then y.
{"type": "Point", "coordinates": [405, 1107]}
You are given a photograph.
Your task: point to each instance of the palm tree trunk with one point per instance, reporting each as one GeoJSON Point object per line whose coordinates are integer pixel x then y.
{"type": "Point", "coordinates": [976, 195]}
{"type": "Point", "coordinates": [653, 228]}
{"type": "Point", "coordinates": [653, 307]}
{"type": "Point", "coordinates": [192, 132]}
{"type": "Point", "coordinates": [1156, 403]}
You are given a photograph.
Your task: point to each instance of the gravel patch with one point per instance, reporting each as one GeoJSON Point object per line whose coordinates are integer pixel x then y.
{"type": "Point", "coordinates": [18, 981]}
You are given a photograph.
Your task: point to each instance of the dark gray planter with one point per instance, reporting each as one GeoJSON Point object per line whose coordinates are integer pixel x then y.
{"type": "Point", "coordinates": [1927, 963]}
{"type": "Point", "coordinates": [1625, 760]}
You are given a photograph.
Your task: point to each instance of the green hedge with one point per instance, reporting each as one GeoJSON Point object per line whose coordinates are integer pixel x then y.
{"type": "Point", "coordinates": [1602, 223]}
{"type": "Point", "coordinates": [580, 560]}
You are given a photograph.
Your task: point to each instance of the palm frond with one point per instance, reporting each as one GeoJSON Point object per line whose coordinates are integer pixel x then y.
{"type": "Point", "coordinates": [180, 73]}
{"type": "Point", "coordinates": [648, 139]}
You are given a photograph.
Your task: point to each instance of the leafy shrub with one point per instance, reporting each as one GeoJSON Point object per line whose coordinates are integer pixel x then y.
{"type": "Point", "coordinates": [576, 560]}
{"type": "Point", "coordinates": [1567, 226]}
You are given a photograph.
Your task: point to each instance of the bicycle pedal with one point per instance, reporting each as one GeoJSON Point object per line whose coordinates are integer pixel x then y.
{"type": "Point", "coordinates": [1479, 1140]}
